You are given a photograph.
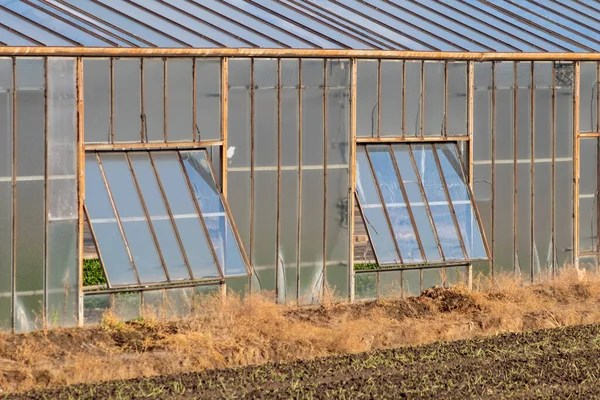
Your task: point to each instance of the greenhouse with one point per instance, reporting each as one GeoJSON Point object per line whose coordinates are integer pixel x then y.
{"type": "Point", "coordinates": [313, 150]}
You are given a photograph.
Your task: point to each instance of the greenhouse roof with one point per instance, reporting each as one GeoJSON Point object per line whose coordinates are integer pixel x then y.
{"type": "Point", "coordinates": [423, 25]}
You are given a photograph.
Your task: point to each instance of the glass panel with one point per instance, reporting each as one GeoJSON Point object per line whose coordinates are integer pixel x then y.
{"type": "Point", "coordinates": [127, 100]}
{"type": "Point", "coordinates": [238, 152]}
{"type": "Point", "coordinates": [392, 83]}
{"type": "Point", "coordinates": [186, 217]}
{"type": "Point", "coordinates": [366, 98]}
{"type": "Point", "coordinates": [395, 204]}
{"type": "Point", "coordinates": [208, 99]}
{"type": "Point", "coordinates": [30, 194]}
{"type": "Point", "coordinates": [62, 276]}
{"type": "Point", "coordinates": [413, 98]}
{"type": "Point", "coordinates": [411, 283]}
{"type": "Point", "coordinates": [127, 306]}
{"type": "Point", "coordinates": [179, 301]}
{"type": "Point", "coordinates": [588, 206]}
{"type": "Point", "coordinates": [440, 211]}
{"type": "Point", "coordinates": [423, 219]}
{"type": "Point", "coordinates": [390, 284]}
{"type": "Point", "coordinates": [96, 97]}
{"type": "Point", "coordinates": [179, 98]}
{"type": "Point", "coordinates": [459, 194]}
{"type": "Point", "coordinates": [6, 106]}
{"type": "Point", "coordinates": [94, 306]}
{"type": "Point", "coordinates": [434, 93]}
{"type": "Point", "coordinates": [106, 231]}
{"type": "Point", "coordinates": [365, 286]}
{"type": "Point", "coordinates": [208, 196]}
{"type": "Point", "coordinates": [376, 221]}
{"type": "Point", "coordinates": [432, 277]}
{"type": "Point", "coordinates": [159, 216]}
{"type": "Point", "coordinates": [133, 219]}
{"type": "Point", "coordinates": [154, 100]}
{"type": "Point", "coordinates": [482, 106]}
{"type": "Point", "coordinates": [456, 114]}
{"type": "Point", "coordinates": [588, 97]}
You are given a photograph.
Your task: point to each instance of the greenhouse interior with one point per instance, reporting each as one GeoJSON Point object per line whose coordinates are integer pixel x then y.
{"type": "Point", "coordinates": [155, 152]}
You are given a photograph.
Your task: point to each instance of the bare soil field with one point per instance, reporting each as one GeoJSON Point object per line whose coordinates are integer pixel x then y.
{"type": "Point", "coordinates": [553, 363]}
{"type": "Point", "coordinates": [187, 357]}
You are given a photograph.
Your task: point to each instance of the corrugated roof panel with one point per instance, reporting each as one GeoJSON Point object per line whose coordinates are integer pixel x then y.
{"type": "Point", "coordinates": [55, 24]}
{"type": "Point", "coordinates": [421, 25]}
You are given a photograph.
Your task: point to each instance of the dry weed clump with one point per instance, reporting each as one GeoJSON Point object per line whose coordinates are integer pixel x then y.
{"type": "Point", "coordinates": [228, 332]}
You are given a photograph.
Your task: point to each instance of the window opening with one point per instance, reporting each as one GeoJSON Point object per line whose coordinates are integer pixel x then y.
{"type": "Point", "coordinates": [159, 218]}
{"type": "Point", "coordinates": [417, 206]}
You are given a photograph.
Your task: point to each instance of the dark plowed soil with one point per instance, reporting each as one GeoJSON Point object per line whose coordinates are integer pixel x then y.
{"type": "Point", "coordinates": [557, 363]}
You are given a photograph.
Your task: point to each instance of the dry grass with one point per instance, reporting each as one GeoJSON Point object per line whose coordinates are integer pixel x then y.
{"type": "Point", "coordinates": [232, 332]}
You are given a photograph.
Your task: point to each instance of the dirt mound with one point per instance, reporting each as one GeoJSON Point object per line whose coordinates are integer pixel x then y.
{"type": "Point", "coordinates": [447, 300]}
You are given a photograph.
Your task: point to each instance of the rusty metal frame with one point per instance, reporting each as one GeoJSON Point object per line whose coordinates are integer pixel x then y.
{"type": "Point", "coordinates": [80, 186]}
{"type": "Point", "coordinates": [14, 195]}
{"type": "Point", "coordinates": [224, 123]}
{"type": "Point", "coordinates": [576, 162]}
{"type": "Point", "coordinates": [410, 139]}
{"type": "Point", "coordinates": [152, 146]}
{"type": "Point", "coordinates": [325, 175]}
{"type": "Point", "coordinates": [31, 51]}
{"type": "Point", "coordinates": [352, 188]}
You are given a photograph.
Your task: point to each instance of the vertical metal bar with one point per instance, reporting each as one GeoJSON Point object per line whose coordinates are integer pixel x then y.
{"type": "Point", "coordinates": [422, 101]}
{"type": "Point", "coordinates": [597, 161]}
{"type": "Point", "coordinates": [493, 157]}
{"type": "Point", "coordinates": [421, 281]}
{"type": "Point", "coordinates": [224, 122]}
{"type": "Point", "coordinates": [379, 90]}
{"type": "Point", "coordinates": [163, 194]}
{"type": "Point", "coordinates": [195, 131]}
{"type": "Point", "coordinates": [449, 200]}
{"type": "Point", "coordinates": [325, 173]}
{"type": "Point", "coordinates": [112, 101]}
{"type": "Point", "coordinates": [553, 183]}
{"type": "Point", "coordinates": [377, 285]}
{"type": "Point", "coordinates": [426, 202]}
{"type": "Point", "coordinates": [576, 163]}
{"type": "Point", "coordinates": [352, 188]}
{"type": "Point", "coordinates": [470, 130]}
{"type": "Point", "coordinates": [407, 202]}
{"type": "Point", "coordinates": [14, 194]}
{"type": "Point", "coordinates": [515, 169]}
{"type": "Point", "coordinates": [118, 218]}
{"type": "Point", "coordinates": [401, 284]}
{"type": "Point", "coordinates": [384, 205]}
{"type": "Point", "coordinates": [143, 102]}
{"type": "Point", "coordinates": [46, 199]}
{"type": "Point", "coordinates": [80, 187]}
{"type": "Point", "coordinates": [148, 217]}
{"type": "Point", "coordinates": [278, 261]}
{"type": "Point", "coordinates": [252, 161]}
{"type": "Point", "coordinates": [403, 110]}
{"type": "Point", "coordinates": [190, 187]}
{"type": "Point", "coordinates": [446, 94]}
{"type": "Point", "coordinates": [165, 101]}
{"type": "Point", "coordinates": [532, 183]}
{"type": "Point", "coordinates": [299, 210]}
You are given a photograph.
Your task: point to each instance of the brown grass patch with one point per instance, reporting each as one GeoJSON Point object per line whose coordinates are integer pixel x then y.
{"type": "Point", "coordinates": [233, 332]}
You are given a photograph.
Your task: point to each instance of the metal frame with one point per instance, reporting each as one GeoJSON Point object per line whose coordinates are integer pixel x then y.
{"type": "Point", "coordinates": [353, 55]}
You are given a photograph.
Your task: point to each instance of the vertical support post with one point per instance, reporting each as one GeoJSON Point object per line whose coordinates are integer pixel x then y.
{"type": "Point", "coordinates": [516, 267]}
{"type": "Point", "coordinates": [470, 114]}
{"type": "Point", "coordinates": [299, 210]}
{"type": "Point", "coordinates": [14, 194]}
{"type": "Point", "coordinates": [325, 175]}
{"type": "Point", "coordinates": [224, 122]}
{"type": "Point", "coordinates": [46, 201]}
{"type": "Point", "coordinates": [351, 189]}
{"type": "Point", "coordinates": [576, 172]}
{"type": "Point", "coordinates": [532, 169]}
{"type": "Point", "coordinates": [493, 166]}
{"type": "Point", "coordinates": [553, 184]}
{"type": "Point", "coordinates": [278, 260]}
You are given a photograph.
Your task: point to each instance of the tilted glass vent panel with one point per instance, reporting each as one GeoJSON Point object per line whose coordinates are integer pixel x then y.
{"type": "Point", "coordinates": [417, 205]}
{"type": "Point", "coordinates": [159, 217]}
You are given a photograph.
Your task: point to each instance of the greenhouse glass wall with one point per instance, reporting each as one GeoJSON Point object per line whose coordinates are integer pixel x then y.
{"type": "Point", "coordinates": [312, 151]}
